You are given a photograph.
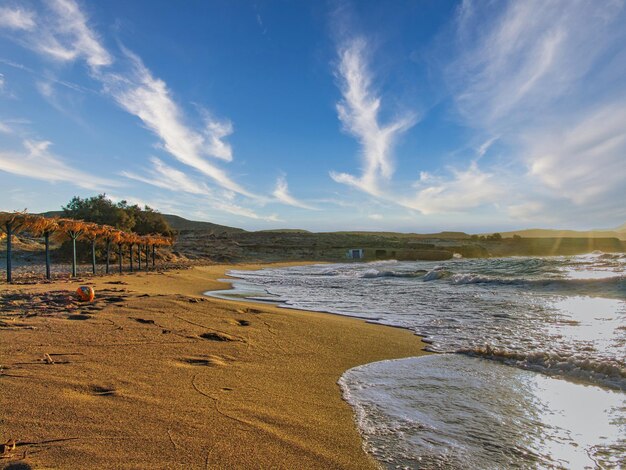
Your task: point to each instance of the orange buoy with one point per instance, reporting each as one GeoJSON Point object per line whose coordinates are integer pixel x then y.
{"type": "Point", "coordinates": [85, 293]}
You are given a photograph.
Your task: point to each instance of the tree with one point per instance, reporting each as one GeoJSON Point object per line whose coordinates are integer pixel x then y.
{"type": "Point", "coordinates": [99, 209]}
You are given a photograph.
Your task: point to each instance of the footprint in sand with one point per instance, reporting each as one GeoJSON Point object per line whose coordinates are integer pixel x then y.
{"type": "Point", "coordinates": [142, 320]}
{"type": "Point", "coordinates": [79, 317]}
{"type": "Point", "coordinates": [91, 392]}
{"type": "Point", "coordinates": [102, 391]}
{"type": "Point", "coordinates": [243, 322]}
{"type": "Point", "coordinates": [216, 336]}
{"type": "Point", "coordinates": [207, 361]}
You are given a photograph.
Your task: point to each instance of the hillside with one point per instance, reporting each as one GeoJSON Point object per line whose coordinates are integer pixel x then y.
{"type": "Point", "coordinates": [619, 232]}
{"type": "Point", "coordinates": [178, 223]}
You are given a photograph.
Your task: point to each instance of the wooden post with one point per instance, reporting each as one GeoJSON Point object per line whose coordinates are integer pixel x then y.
{"type": "Point", "coordinates": [153, 255]}
{"type": "Point", "coordinates": [46, 237]}
{"type": "Point", "coordinates": [108, 245]}
{"type": "Point", "coordinates": [131, 257]}
{"type": "Point", "coordinates": [73, 255]}
{"type": "Point", "coordinates": [120, 259]}
{"type": "Point", "coordinates": [9, 247]}
{"type": "Point", "coordinates": [93, 256]}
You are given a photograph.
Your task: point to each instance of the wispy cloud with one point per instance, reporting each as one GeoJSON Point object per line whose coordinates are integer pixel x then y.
{"type": "Point", "coordinates": [584, 160]}
{"type": "Point", "coordinates": [281, 193]}
{"type": "Point", "coordinates": [68, 37]}
{"type": "Point", "coordinates": [236, 209]}
{"type": "Point", "coordinates": [549, 79]}
{"type": "Point", "coordinates": [148, 98]}
{"type": "Point", "coordinates": [164, 176]}
{"type": "Point", "coordinates": [5, 129]}
{"type": "Point", "coordinates": [16, 18]}
{"type": "Point", "coordinates": [65, 36]}
{"type": "Point", "coordinates": [38, 162]}
{"type": "Point", "coordinates": [485, 146]}
{"type": "Point", "coordinates": [359, 113]}
{"type": "Point", "coordinates": [465, 189]}
{"type": "Point", "coordinates": [62, 35]}
{"type": "Point", "coordinates": [520, 57]}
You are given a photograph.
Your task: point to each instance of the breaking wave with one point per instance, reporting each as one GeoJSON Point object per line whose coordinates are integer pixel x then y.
{"type": "Point", "coordinates": [608, 372]}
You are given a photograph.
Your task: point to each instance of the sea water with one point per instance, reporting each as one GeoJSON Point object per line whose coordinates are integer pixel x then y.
{"type": "Point", "coordinates": [533, 370]}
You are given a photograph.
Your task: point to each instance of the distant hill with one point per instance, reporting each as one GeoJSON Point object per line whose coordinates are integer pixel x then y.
{"type": "Point", "coordinates": [439, 235]}
{"type": "Point", "coordinates": [620, 229]}
{"type": "Point", "coordinates": [618, 232]}
{"type": "Point", "coordinates": [284, 230]}
{"type": "Point", "coordinates": [178, 223]}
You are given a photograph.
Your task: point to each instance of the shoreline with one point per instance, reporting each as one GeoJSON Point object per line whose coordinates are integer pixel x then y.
{"type": "Point", "coordinates": [169, 377]}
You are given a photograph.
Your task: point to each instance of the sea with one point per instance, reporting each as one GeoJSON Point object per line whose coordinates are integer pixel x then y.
{"type": "Point", "coordinates": [530, 363]}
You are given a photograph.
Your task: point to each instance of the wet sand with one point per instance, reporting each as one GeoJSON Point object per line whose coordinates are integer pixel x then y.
{"type": "Point", "coordinates": [155, 375]}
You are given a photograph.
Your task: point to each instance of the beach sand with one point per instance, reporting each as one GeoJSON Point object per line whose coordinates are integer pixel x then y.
{"type": "Point", "coordinates": [159, 376]}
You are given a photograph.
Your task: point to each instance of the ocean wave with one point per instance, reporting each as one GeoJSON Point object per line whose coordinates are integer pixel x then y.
{"type": "Point", "coordinates": [608, 372]}
{"type": "Point", "coordinates": [374, 273]}
{"type": "Point", "coordinates": [437, 273]}
{"type": "Point", "coordinates": [612, 286]}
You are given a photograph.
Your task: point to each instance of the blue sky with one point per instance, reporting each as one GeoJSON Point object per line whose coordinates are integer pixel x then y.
{"type": "Point", "coordinates": [368, 115]}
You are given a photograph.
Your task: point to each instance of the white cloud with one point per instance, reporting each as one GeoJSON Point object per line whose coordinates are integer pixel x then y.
{"type": "Point", "coordinates": [5, 129]}
{"type": "Point", "coordinates": [16, 18]}
{"type": "Point", "coordinates": [527, 211]}
{"type": "Point", "coordinates": [518, 57]}
{"type": "Point", "coordinates": [149, 99]}
{"type": "Point", "coordinates": [166, 177]}
{"type": "Point", "coordinates": [62, 35]}
{"type": "Point", "coordinates": [359, 114]}
{"type": "Point", "coordinates": [68, 37]}
{"type": "Point", "coordinates": [45, 89]}
{"type": "Point", "coordinates": [485, 146]}
{"type": "Point", "coordinates": [236, 209]}
{"type": "Point", "coordinates": [464, 190]}
{"type": "Point", "coordinates": [549, 79]}
{"type": "Point", "coordinates": [39, 163]}
{"type": "Point", "coordinates": [172, 179]}
{"type": "Point", "coordinates": [281, 193]}
{"type": "Point", "coordinates": [215, 133]}
{"type": "Point", "coordinates": [583, 161]}
{"type": "Point", "coordinates": [375, 217]}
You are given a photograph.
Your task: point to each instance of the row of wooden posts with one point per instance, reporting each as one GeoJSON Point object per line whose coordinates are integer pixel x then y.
{"type": "Point", "coordinates": [12, 223]}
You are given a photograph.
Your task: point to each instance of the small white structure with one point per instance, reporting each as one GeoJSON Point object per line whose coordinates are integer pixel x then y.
{"type": "Point", "coordinates": [356, 253]}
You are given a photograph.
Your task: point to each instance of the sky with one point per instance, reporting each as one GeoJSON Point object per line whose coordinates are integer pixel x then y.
{"type": "Point", "coordinates": [411, 115]}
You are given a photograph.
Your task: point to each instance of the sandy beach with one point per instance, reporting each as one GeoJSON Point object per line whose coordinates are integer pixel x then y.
{"type": "Point", "coordinates": [155, 375]}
